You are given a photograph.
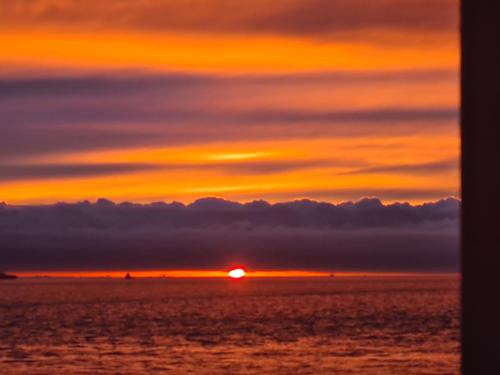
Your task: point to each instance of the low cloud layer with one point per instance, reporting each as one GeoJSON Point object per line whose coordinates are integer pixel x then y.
{"type": "Point", "coordinates": [215, 233]}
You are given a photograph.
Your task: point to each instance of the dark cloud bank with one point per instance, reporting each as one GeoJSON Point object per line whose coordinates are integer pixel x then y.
{"type": "Point", "coordinates": [215, 233]}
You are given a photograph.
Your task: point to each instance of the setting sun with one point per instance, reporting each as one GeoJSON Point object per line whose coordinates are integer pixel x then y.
{"type": "Point", "coordinates": [236, 273]}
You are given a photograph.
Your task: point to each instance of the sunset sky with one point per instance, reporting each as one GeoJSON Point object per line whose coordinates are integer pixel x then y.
{"type": "Point", "coordinates": [253, 99]}
{"type": "Point", "coordinates": [256, 121]}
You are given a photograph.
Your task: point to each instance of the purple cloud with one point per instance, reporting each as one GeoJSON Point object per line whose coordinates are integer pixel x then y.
{"type": "Point", "coordinates": [211, 233]}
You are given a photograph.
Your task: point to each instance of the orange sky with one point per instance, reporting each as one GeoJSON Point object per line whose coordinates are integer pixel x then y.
{"type": "Point", "coordinates": [143, 102]}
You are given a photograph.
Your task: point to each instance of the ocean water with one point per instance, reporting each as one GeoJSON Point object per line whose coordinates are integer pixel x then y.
{"type": "Point", "coordinates": [218, 326]}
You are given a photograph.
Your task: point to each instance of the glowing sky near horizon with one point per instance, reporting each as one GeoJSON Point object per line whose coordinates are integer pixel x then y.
{"type": "Point", "coordinates": [174, 100]}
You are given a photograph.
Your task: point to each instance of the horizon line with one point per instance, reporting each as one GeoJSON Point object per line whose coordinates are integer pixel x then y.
{"type": "Point", "coordinates": [157, 274]}
{"type": "Point", "coordinates": [103, 200]}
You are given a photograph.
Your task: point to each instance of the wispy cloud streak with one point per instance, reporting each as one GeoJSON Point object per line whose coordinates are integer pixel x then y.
{"type": "Point", "coordinates": [314, 18]}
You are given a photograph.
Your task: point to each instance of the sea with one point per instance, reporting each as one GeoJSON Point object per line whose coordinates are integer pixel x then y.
{"type": "Point", "coordinates": [322, 325]}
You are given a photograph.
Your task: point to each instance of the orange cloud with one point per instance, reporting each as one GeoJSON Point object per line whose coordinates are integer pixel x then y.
{"type": "Point", "coordinates": [288, 17]}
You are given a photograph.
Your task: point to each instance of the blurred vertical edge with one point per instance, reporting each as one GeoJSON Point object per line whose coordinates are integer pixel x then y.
{"type": "Point", "coordinates": [480, 131]}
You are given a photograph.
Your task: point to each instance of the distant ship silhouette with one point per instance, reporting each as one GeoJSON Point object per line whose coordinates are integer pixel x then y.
{"type": "Point", "coordinates": [128, 277]}
{"type": "Point", "coordinates": [6, 276]}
